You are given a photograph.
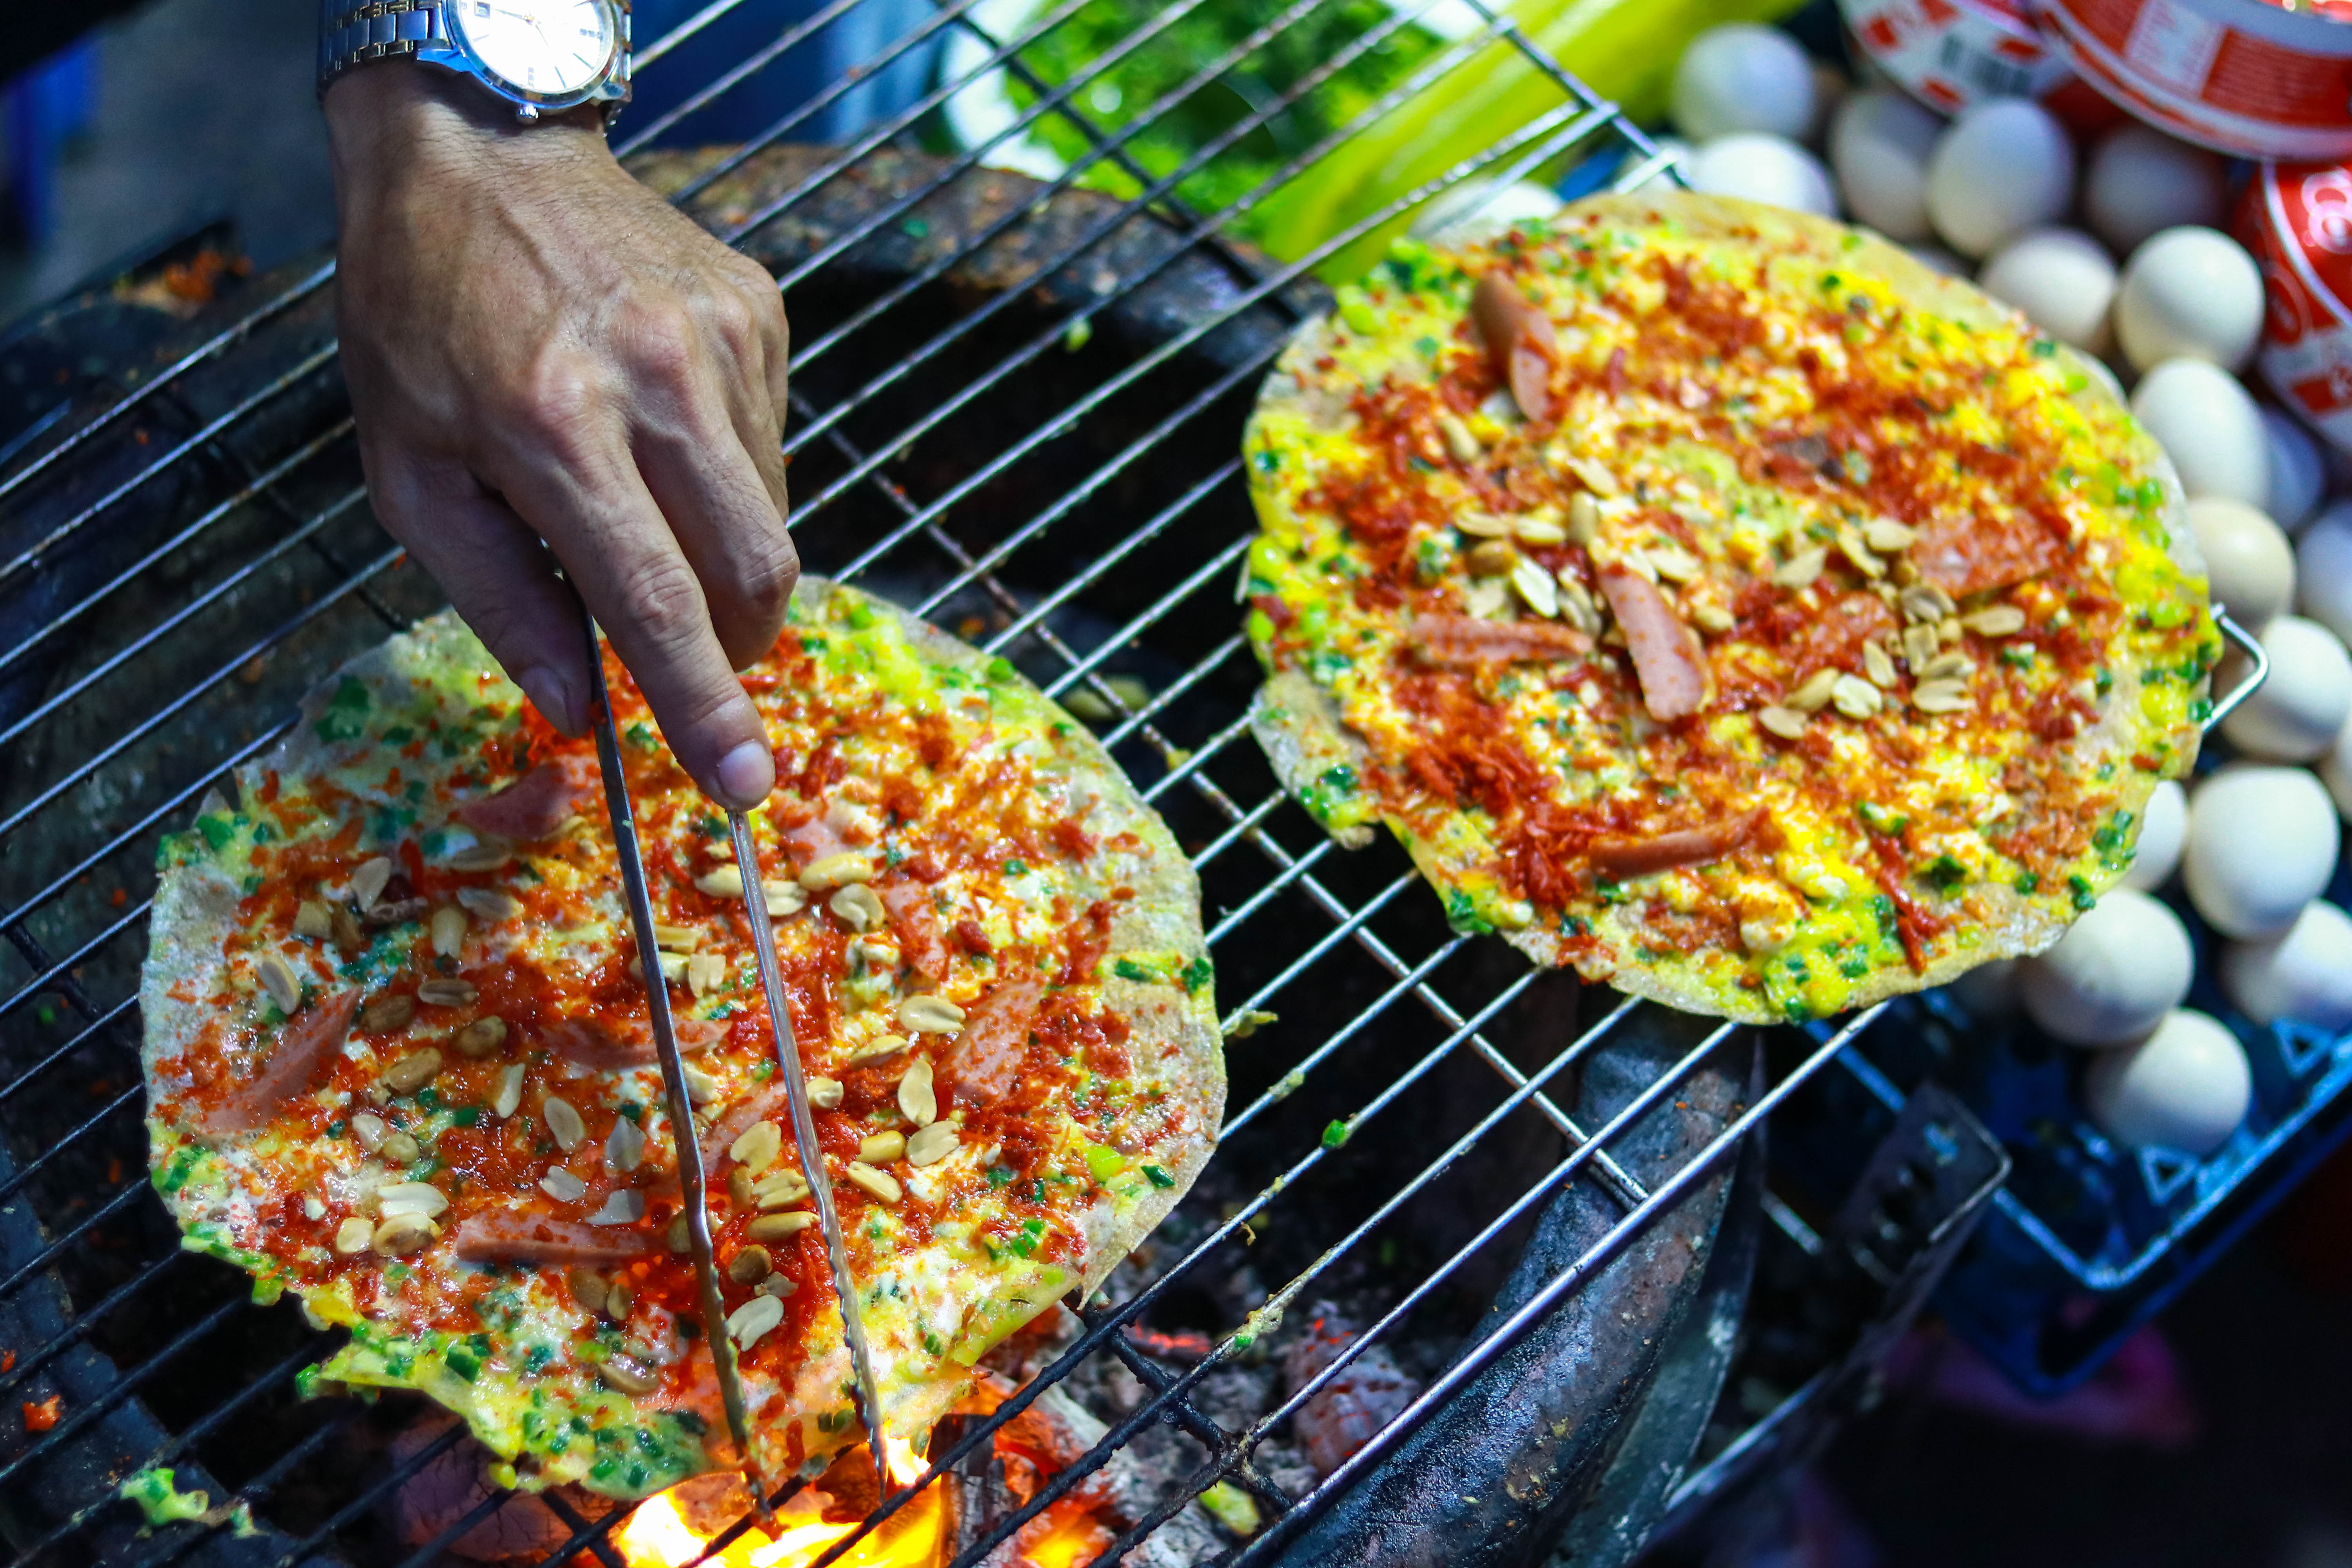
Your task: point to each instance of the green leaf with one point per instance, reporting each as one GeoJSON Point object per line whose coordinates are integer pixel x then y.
{"type": "Point", "coordinates": [1463, 915]}
{"type": "Point", "coordinates": [1335, 1134]}
{"type": "Point", "coordinates": [1945, 873]}
{"type": "Point", "coordinates": [1158, 1177]}
{"type": "Point", "coordinates": [346, 715]}
{"type": "Point", "coordinates": [1880, 820]}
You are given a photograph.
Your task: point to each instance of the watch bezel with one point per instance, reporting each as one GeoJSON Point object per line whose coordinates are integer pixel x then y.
{"type": "Point", "coordinates": [604, 86]}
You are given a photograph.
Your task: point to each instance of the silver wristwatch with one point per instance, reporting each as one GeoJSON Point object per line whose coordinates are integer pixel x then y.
{"type": "Point", "coordinates": [541, 55]}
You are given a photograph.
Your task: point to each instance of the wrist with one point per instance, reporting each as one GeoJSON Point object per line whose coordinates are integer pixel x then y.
{"type": "Point", "coordinates": [399, 118]}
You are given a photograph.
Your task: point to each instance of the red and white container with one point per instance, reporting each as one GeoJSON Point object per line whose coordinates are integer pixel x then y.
{"type": "Point", "coordinates": [1951, 52]}
{"type": "Point", "coordinates": [2246, 77]}
{"type": "Point", "coordinates": [2297, 221]}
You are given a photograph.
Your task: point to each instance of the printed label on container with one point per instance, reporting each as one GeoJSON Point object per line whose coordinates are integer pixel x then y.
{"type": "Point", "coordinates": [2239, 75]}
{"type": "Point", "coordinates": [2297, 221]}
{"type": "Point", "coordinates": [1950, 53]}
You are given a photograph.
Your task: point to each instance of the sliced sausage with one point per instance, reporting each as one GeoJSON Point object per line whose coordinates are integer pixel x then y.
{"type": "Point", "coordinates": [537, 804]}
{"type": "Point", "coordinates": [1667, 658]}
{"type": "Point", "coordinates": [1457, 642]}
{"type": "Point", "coordinates": [524, 1237]}
{"type": "Point", "coordinates": [1639, 855]}
{"type": "Point", "coordinates": [302, 1052]}
{"type": "Point", "coordinates": [1519, 343]}
{"type": "Point", "coordinates": [618, 1046]}
{"type": "Point", "coordinates": [986, 1061]}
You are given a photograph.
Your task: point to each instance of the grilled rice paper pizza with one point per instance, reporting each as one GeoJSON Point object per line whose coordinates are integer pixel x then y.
{"type": "Point", "coordinates": [1715, 599]}
{"type": "Point", "coordinates": [398, 1063]}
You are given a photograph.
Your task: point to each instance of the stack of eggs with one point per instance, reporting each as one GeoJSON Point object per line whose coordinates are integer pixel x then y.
{"type": "Point", "coordinates": [2120, 255]}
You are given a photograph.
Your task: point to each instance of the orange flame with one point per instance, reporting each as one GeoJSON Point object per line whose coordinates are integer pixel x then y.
{"type": "Point", "coordinates": [919, 1535]}
{"type": "Point", "coordinates": [1072, 1537]}
{"type": "Point", "coordinates": [658, 1536]}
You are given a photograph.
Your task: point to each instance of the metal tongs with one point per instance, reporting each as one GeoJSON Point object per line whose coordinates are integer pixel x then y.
{"type": "Point", "coordinates": [812, 1159]}
{"type": "Point", "coordinates": [788, 1061]}
{"type": "Point", "coordinates": [673, 1069]}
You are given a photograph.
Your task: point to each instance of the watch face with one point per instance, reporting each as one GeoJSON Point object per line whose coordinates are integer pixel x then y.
{"type": "Point", "coordinates": [549, 48]}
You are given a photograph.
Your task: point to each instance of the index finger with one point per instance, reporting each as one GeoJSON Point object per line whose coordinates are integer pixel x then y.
{"type": "Point", "coordinates": [615, 546]}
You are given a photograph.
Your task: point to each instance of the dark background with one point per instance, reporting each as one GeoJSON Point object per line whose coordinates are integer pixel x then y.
{"type": "Point", "coordinates": [203, 109]}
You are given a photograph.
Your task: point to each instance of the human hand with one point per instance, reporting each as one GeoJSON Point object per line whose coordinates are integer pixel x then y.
{"type": "Point", "coordinates": [541, 349]}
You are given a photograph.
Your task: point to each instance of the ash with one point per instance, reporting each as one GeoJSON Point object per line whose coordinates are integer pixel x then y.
{"type": "Point", "coordinates": [1166, 1457]}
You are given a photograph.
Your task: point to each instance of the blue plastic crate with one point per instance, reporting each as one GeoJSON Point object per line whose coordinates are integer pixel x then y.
{"type": "Point", "coordinates": [2089, 1239]}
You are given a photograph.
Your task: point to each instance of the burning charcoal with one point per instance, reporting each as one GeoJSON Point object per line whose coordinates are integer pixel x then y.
{"type": "Point", "coordinates": [451, 1486]}
{"type": "Point", "coordinates": [1186, 1347]}
{"type": "Point", "coordinates": [1367, 1394]}
{"type": "Point", "coordinates": [711, 1503]}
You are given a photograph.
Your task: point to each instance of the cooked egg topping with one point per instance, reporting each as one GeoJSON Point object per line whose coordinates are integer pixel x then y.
{"type": "Point", "coordinates": [425, 1094]}
{"type": "Point", "coordinates": [1710, 609]}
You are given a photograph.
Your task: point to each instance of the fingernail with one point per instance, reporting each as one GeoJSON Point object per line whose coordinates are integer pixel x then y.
{"type": "Point", "coordinates": [745, 776]}
{"type": "Point", "coordinates": [552, 696]}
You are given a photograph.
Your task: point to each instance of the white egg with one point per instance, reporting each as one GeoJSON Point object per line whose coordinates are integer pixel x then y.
{"type": "Point", "coordinates": [2118, 971]}
{"type": "Point", "coordinates": [2192, 291]}
{"type": "Point", "coordinates": [2336, 772]}
{"type": "Point", "coordinates": [2299, 709]}
{"type": "Point", "coordinates": [1742, 76]}
{"type": "Point", "coordinates": [2185, 1087]}
{"type": "Point", "coordinates": [1879, 143]}
{"type": "Point", "coordinates": [2323, 570]}
{"type": "Point", "coordinates": [2248, 564]}
{"type": "Point", "coordinates": [1764, 168]}
{"type": "Point", "coordinates": [2298, 471]}
{"type": "Point", "coordinates": [2303, 974]}
{"type": "Point", "coordinates": [2163, 826]}
{"type": "Point", "coordinates": [2141, 181]}
{"type": "Point", "coordinates": [2208, 427]}
{"type": "Point", "coordinates": [2262, 843]}
{"type": "Point", "coordinates": [2061, 278]}
{"type": "Point", "coordinates": [2005, 166]}
{"type": "Point", "coordinates": [1989, 991]}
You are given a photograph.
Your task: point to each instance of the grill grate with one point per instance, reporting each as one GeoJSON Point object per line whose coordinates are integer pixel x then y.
{"type": "Point", "coordinates": [237, 560]}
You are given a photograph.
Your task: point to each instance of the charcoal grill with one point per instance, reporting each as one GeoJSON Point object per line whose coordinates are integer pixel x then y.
{"type": "Point", "coordinates": [1016, 406]}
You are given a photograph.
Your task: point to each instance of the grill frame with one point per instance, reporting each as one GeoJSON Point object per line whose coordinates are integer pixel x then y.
{"type": "Point", "coordinates": [1583, 122]}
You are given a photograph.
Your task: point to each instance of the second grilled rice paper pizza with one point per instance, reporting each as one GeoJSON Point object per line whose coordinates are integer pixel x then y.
{"type": "Point", "coordinates": [1714, 599]}
{"type": "Point", "coordinates": [398, 1061]}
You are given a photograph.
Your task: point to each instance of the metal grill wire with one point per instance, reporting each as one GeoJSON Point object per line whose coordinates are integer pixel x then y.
{"type": "Point", "coordinates": [49, 960]}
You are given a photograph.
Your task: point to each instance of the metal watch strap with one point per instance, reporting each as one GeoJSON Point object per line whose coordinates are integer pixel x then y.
{"type": "Point", "coordinates": [351, 35]}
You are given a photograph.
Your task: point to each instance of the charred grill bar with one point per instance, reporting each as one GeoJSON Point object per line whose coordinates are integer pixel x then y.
{"type": "Point", "coordinates": [1016, 411]}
